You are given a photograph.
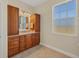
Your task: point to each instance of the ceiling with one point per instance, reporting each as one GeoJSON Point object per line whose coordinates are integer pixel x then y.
{"type": "Point", "coordinates": [34, 3]}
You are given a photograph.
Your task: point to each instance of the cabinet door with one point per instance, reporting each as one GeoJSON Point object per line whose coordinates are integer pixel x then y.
{"type": "Point", "coordinates": [32, 23]}
{"type": "Point", "coordinates": [37, 23]}
{"type": "Point", "coordinates": [22, 43]}
{"type": "Point", "coordinates": [10, 52]}
{"type": "Point", "coordinates": [13, 20]}
{"type": "Point", "coordinates": [13, 46]}
{"type": "Point", "coordinates": [36, 39]}
{"type": "Point", "coordinates": [28, 41]}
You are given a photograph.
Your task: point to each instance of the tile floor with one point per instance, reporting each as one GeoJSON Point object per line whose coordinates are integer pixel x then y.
{"type": "Point", "coordinates": [40, 52]}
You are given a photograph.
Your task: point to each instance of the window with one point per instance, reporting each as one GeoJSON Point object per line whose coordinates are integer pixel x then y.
{"type": "Point", "coordinates": [64, 17]}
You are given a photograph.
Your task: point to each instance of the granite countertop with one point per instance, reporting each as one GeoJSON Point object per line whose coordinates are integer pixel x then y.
{"type": "Point", "coordinates": [23, 33]}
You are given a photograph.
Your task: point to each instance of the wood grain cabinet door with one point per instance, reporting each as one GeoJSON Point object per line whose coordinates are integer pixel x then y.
{"type": "Point", "coordinates": [35, 20]}
{"type": "Point", "coordinates": [37, 35]}
{"type": "Point", "coordinates": [28, 41]}
{"type": "Point", "coordinates": [22, 43]}
{"type": "Point", "coordinates": [13, 46]}
{"type": "Point", "coordinates": [37, 23]}
{"type": "Point", "coordinates": [36, 39]}
{"type": "Point", "coordinates": [13, 20]}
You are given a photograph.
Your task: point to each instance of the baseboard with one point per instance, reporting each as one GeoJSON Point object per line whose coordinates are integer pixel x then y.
{"type": "Point", "coordinates": [59, 50]}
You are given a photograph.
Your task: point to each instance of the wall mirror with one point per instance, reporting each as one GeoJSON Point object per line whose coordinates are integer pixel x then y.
{"type": "Point", "coordinates": [24, 21]}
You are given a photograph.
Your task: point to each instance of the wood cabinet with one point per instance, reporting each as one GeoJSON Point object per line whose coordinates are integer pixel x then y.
{"type": "Point", "coordinates": [36, 39]}
{"type": "Point", "coordinates": [28, 41]}
{"type": "Point", "coordinates": [35, 22]}
{"type": "Point", "coordinates": [16, 42]}
{"type": "Point", "coordinates": [13, 46]}
{"type": "Point", "coordinates": [13, 20]}
{"type": "Point", "coordinates": [22, 43]}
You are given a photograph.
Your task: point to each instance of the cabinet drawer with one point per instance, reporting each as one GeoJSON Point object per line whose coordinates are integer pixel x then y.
{"type": "Point", "coordinates": [13, 51]}
{"type": "Point", "coordinates": [16, 50]}
{"type": "Point", "coordinates": [13, 46]}
{"type": "Point", "coordinates": [13, 42]}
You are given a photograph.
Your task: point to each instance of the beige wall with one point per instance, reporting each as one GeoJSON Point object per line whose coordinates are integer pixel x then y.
{"type": "Point", "coordinates": [65, 43]}
{"type": "Point", "coordinates": [21, 5]}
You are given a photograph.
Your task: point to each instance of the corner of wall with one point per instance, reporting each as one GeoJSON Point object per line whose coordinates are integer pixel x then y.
{"type": "Point", "coordinates": [59, 50]}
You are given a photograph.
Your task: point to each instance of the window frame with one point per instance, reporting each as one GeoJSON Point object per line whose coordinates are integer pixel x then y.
{"type": "Point", "coordinates": [76, 20]}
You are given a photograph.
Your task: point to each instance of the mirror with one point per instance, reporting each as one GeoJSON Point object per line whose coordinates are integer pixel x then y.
{"type": "Point", "coordinates": [24, 21]}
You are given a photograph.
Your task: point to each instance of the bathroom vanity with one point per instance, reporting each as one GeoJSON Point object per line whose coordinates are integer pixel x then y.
{"type": "Point", "coordinates": [19, 40]}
